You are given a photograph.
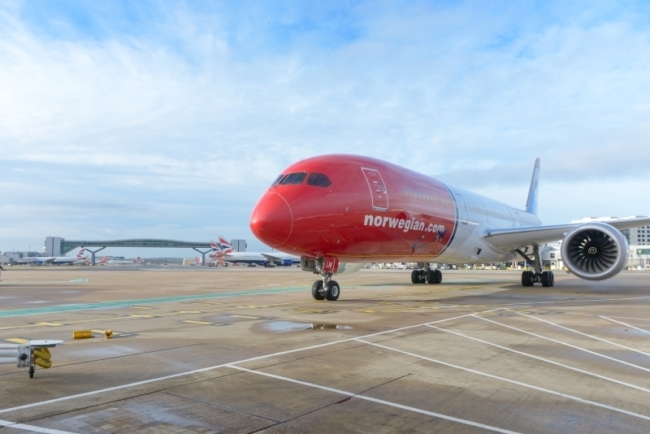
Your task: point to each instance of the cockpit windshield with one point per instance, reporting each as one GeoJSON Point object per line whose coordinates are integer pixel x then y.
{"type": "Point", "coordinates": [319, 180]}
{"type": "Point", "coordinates": [277, 180]}
{"type": "Point", "coordinates": [293, 178]}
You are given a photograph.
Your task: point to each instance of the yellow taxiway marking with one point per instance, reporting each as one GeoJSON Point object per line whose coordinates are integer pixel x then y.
{"type": "Point", "coordinates": [314, 311]}
{"type": "Point", "coordinates": [141, 307]}
{"type": "Point", "coordinates": [186, 311]}
{"type": "Point", "coordinates": [142, 316]}
{"type": "Point", "coordinates": [49, 324]}
{"type": "Point", "coordinates": [220, 324]}
{"type": "Point", "coordinates": [245, 316]}
{"type": "Point", "coordinates": [17, 340]}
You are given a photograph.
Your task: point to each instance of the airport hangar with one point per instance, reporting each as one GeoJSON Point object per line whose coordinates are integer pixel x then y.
{"type": "Point", "coordinates": [58, 246]}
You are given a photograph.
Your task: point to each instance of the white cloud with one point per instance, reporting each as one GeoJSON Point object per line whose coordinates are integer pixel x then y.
{"type": "Point", "coordinates": [199, 110]}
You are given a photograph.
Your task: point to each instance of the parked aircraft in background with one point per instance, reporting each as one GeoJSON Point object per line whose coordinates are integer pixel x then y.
{"type": "Point", "coordinates": [124, 261]}
{"type": "Point", "coordinates": [340, 211]}
{"type": "Point", "coordinates": [62, 260]}
{"type": "Point", "coordinates": [103, 261]}
{"type": "Point", "coordinates": [224, 251]}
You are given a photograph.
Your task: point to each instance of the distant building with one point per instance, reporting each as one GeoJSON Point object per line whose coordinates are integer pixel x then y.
{"type": "Point", "coordinates": [238, 245]}
{"type": "Point", "coordinates": [53, 246]}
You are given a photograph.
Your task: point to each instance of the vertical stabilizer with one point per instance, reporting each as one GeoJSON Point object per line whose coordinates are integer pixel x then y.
{"type": "Point", "coordinates": [531, 203]}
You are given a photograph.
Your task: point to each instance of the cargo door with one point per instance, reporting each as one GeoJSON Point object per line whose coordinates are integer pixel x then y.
{"type": "Point", "coordinates": [378, 192]}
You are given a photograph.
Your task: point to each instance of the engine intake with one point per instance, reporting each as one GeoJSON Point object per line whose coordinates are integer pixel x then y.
{"type": "Point", "coordinates": [594, 251]}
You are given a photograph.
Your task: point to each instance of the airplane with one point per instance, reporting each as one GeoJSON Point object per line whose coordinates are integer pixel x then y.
{"type": "Point", "coordinates": [103, 261]}
{"type": "Point", "coordinates": [124, 261]}
{"type": "Point", "coordinates": [225, 252]}
{"type": "Point", "coordinates": [62, 260]}
{"type": "Point", "coordinates": [339, 212]}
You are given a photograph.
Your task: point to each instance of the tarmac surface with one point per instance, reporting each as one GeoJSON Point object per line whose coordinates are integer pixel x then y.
{"type": "Point", "coordinates": [244, 350]}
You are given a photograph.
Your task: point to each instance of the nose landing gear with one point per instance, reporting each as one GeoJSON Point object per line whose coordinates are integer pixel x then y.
{"type": "Point", "coordinates": [325, 288]}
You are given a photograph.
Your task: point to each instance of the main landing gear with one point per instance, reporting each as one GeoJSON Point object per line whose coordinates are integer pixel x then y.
{"type": "Point", "coordinates": [427, 275]}
{"type": "Point", "coordinates": [529, 278]}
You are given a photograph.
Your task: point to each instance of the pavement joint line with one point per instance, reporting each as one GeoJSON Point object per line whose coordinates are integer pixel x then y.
{"type": "Point", "coordinates": [627, 325]}
{"type": "Point", "coordinates": [583, 334]}
{"type": "Point", "coordinates": [210, 368]}
{"type": "Point", "coordinates": [519, 383]}
{"type": "Point", "coordinates": [563, 343]}
{"type": "Point", "coordinates": [593, 374]}
{"type": "Point", "coordinates": [377, 401]}
{"type": "Point", "coordinates": [32, 428]}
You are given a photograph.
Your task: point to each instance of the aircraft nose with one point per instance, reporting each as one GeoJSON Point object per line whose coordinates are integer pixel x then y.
{"type": "Point", "coordinates": [272, 220]}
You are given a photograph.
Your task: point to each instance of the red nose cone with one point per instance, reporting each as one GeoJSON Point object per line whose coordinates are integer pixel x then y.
{"type": "Point", "coordinates": [272, 220]}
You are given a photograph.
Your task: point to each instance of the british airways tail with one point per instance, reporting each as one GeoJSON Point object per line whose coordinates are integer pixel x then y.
{"type": "Point", "coordinates": [531, 203]}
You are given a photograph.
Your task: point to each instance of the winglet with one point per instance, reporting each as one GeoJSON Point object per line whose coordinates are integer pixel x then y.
{"type": "Point", "coordinates": [531, 203]}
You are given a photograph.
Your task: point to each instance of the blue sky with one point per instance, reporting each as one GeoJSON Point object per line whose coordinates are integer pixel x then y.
{"type": "Point", "coordinates": [169, 119]}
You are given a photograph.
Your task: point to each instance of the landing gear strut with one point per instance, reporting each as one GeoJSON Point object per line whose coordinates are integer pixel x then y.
{"type": "Point", "coordinates": [427, 275]}
{"type": "Point", "coordinates": [529, 278]}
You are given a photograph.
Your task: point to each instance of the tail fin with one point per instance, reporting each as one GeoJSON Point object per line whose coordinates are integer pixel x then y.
{"type": "Point", "coordinates": [531, 203]}
{"type": "Point", "coordinates": [225, 245]}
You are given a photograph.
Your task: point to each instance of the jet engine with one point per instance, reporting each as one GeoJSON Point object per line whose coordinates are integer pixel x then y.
{"type": "Point", "coordinates": [594, 251]}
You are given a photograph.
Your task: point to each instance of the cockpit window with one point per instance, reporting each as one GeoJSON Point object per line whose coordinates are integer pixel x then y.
{"type": "Point", "coordinates": [277, 180]}
{"type": "Point", "coordinates": [318, 179]}
{"type": "Point", "coordinates": [293, 178]}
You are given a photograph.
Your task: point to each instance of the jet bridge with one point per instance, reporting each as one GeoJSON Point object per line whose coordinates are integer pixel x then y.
{"type": "Point", "coordinates": [64, 246]}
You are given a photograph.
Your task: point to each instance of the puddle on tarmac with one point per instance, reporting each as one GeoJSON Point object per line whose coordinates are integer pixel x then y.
{"type": "Point", "coordinates": [290, 326]}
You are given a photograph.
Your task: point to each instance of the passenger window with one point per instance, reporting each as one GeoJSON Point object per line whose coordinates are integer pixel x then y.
{"type": "Point", "coordinates": [293, 178]}
{"type": "Point", "coordinates": [319, 180]}
{"type": "Point", "coordinates": [277, 180]}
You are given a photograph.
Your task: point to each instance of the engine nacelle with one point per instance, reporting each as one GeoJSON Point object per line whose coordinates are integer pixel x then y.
{"type": "Point", "coordinates": [594, 251]}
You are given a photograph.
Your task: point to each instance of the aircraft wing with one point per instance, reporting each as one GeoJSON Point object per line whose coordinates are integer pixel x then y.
{"type": "Point", "coordinates": [271, 257]}
{"type": "Point", "coordinates": [512, 238]}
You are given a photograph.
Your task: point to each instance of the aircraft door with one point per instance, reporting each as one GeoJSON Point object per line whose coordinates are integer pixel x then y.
{"type": "Point", "coordinates": [462, 208]}
{"type": "Point", "coordinates": [378, 192]}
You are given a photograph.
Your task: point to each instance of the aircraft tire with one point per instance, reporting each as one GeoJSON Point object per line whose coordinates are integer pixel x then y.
{"type": "Point", "coordinates": [317, 290]}
{"type": "Point", "coordinates": [415, 276]}
{"type": "Point", "coordinates": [438, 275]}
{"type": "Point", "coordinates": [332, 290]}
{"type": "Point", "coordinates": [431, 276]}
{"type": "Point", "coordinates": [548, 279]}
{"type": "Point", "coordinates": [527, 278]}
